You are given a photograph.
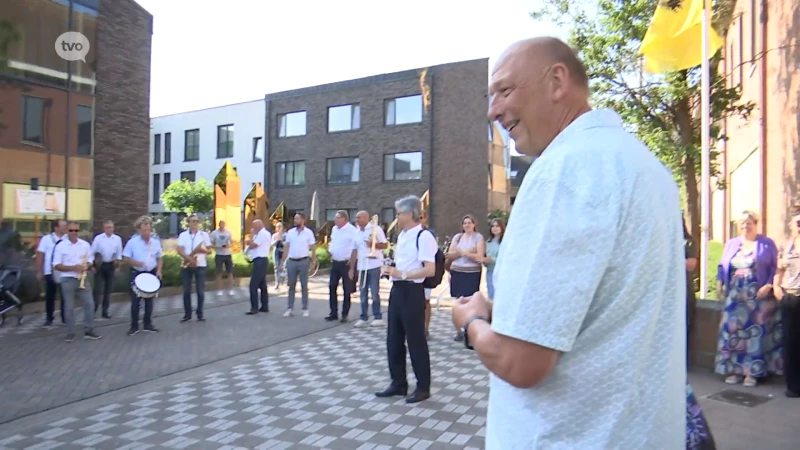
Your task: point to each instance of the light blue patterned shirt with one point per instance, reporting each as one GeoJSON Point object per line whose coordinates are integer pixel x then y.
{"type": "Point", "coordinates": [147, 252]}
{"type": "Point", "coordinates": [592, 265]}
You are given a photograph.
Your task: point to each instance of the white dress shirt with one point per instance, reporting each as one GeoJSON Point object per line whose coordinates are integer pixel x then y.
{"type": "Point", "coordinates": [109, 247]}
{"type": "Point", "coordinates": [147, 252]}
{"type": "Point", "coordinates": [300, 242]}
{"type": "Point", "coordinates": [365, 263]}
{"type": "Point", "coordinates": [70, 253]}
{"type": "Point", "coordinates": [406, 255]}
{"type": "Point", "coordinates": [264, 241]}
{"type": "Point", "coordinates": [343, 242]}
{"type": "Point", "coordinates": [189, 241]}
{"type": "Point", "coordinates": [592, 266]}
{"type": "Point", "coordinates": [46, 245]}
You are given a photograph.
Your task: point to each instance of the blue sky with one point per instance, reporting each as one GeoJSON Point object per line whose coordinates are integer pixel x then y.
{"type": "Point", "coordinates": [205, 55]}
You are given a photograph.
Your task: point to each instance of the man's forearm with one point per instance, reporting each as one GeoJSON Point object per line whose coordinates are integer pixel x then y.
{"type": "Point", "coordinates": [382, 245]}
{"type": "Point", "coordinates": [489, 348]}
{"type": "Point", "coordinates": [159, 264]}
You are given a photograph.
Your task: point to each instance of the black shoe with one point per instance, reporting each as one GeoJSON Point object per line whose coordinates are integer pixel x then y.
{"type": "Point", "coordinates": [459, 337]}
{"type": "Point", "coordinates": [70, 337]}
{"type": "Point", "coordinates": [418, 396]}
{"type": "Point", "coordinates": [331, 318]}
{"type": "Point", "coordinates": [47, 325]}
{"type": "Point", "coordinates": [251, 313]}
{"type": "Point", "coordinates": [91, 335]}
{"type": "Point", "coordinates": [133, 331]}
{"type": "Point", "coordinates": [792, 394]}
{"type": "Point", "coordinates": [264, 310]}
{"type": "Point", "coordinates": [186, 319]}
{"type": "Point", "coordinates": [344, 319]}
{"type": "Point", "coordinates": [106, 316]}
{"type": "Point", "coordinates": [150, 329]}
{"type": "Point", "coordinates": [392, 391]}
{"type": "Point", "coordinates": [201, 319]}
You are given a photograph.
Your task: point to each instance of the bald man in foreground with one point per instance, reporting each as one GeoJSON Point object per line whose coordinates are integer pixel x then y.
{"type": "Point", "coordinates": [587, 339]}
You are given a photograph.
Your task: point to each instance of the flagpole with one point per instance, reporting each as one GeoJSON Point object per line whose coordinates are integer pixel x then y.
{"type": "Point", "coordinates": [705, 136]}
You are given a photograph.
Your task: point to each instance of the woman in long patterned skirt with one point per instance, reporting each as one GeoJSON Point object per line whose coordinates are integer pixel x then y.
{"type": "Point", "coordinates": [749, 345]}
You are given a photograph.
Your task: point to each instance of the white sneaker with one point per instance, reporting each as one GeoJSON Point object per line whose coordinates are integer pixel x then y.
{"type": "Point", "coordinates": [377, 323]}
{"type": "Point", "coordinates": [361, 324]}
{"type": "Point", "coordinates": [231, 292]}
{"type": "Point", "coordinates": [220, 293]}
{"type": "Point", "coordinates": [288, 313]}
{"type": "Point", "coordinates": [306, 313]}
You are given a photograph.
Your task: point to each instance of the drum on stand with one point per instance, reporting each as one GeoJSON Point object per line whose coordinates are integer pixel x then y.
{"type": "Point", "coordinates": [146, 285]}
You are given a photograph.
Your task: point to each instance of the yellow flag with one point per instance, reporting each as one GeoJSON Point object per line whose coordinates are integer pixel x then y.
{"type": "Point", "coordinates": [674, 40]}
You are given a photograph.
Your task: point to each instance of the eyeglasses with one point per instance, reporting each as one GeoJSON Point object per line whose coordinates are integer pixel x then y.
{"type": "Point", "coordinates": [74, 231]}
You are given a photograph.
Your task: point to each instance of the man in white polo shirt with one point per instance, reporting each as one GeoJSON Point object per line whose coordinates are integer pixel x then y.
{"type": "Point", "coordinates": [370, 269]}
{"type": "Point", "coordinates": [415, 260]}
{"type": "Point", "coordinates": [194, 240]}
{"type": "Point", "coordinates": [343, 250]}
{"type": "Point", "coordinates": [259, 251]}
{"type": "Point", "coordinates": [587, 340]}
{"type": "Point", "coordinates": [299, 243]}
{"type": "Point", "coordinates": [44, 264]}
{"type": "Point", "coordinates": [73, 258]}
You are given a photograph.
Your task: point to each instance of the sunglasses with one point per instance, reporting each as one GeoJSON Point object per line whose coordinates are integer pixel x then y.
{"type": "Point", "coordinates": [74, 231]}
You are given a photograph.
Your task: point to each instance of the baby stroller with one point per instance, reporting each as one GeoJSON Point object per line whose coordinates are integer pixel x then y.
{"type": "Point", "coordinates": [10, 277]}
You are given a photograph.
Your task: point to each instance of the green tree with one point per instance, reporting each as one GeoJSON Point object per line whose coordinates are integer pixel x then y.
{"type": "Point", "coordinates": [661, 109]}
{"type": "Point", "coordinates": [188, 197]}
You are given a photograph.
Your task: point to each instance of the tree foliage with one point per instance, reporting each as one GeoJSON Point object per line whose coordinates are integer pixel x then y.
{"type": "Point", "coordinates": [662, 110]}
{"type": "Point", "coordinates": [188, 197]}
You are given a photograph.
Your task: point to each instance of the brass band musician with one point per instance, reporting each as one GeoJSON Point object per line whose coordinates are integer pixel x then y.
{"type": "Point", "coordinates": [193, 246]}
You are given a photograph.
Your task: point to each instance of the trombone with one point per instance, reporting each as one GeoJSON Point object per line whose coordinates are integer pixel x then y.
{"type": "Point", "coordinates": [201, 248]}
{"type": "Point", "coordinates": [362, 273]}
{"type": "Point", "coordinates": [82, 285]}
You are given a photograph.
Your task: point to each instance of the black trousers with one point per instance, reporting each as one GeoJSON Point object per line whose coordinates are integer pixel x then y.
{"type": "Point", "coordinates": [106, 274]}
{"type": "Point", "coordinates": [406, 322]}
{"type": "Point", "coordinates": [790, 304]}
{"type": "Point", "coordinates": [136, 302]}
{"type": "Point", "coordinates": [51, 289]}
{"type": "Point", "coordinates": [339, 271]}
{"type": "Point", "coordinates": [258, 280]}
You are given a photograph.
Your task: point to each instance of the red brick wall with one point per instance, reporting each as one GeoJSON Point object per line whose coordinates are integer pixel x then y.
{"type": "Point", "coordinates": [122, 127]}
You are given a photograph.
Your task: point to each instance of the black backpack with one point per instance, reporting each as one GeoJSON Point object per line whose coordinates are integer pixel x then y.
{"type": "Point", "coordinates": [436, 279]}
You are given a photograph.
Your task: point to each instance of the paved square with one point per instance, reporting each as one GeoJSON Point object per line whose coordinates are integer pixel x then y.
{"type": "Point", "coordinates": [315, 395]}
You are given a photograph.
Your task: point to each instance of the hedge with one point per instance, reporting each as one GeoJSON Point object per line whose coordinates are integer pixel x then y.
{"type": "Point", "coordinates": [171, 271]}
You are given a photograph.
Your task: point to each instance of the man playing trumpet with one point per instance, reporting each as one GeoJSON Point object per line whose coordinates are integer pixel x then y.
{"type": "Point", "coordinates": [73, 259]}
{"type": "Point", "coordinates": [193, 246]}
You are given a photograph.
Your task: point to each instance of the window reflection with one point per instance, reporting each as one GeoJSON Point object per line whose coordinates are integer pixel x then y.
{"type": "Point", "coordinates": [84, 130]}
{"type": "Point", "coordinates": [403, 166]}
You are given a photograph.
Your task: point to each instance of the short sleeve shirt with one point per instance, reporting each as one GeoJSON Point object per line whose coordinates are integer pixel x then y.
{"type": "Point", "coordinates": [592, 265]}
{"type": "Point", "coordinates": [46, 245]}
{"type": "Point", "coordinates": [221, 240]}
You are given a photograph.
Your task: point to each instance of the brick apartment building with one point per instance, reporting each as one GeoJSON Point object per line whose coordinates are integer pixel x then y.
{"type": "Point", "coordinates": [77, 128]}
{"type": "Point", "coordinates": [362, 144]}
{"type": "Point", "coordinates": [759, 161]}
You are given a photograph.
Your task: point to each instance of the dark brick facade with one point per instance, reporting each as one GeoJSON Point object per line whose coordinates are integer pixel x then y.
{"type": "Point", "coordinates": [452, 138]}
{"type": "Point", "coordinates": [122, 124]}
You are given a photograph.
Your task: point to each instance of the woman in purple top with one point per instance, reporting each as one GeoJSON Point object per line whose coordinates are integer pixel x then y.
{"type": "Point", "coordinates": [749, 344]}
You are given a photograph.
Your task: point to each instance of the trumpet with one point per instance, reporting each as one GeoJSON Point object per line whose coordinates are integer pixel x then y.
{"type": "Point", "coordinates": [374, 223]}
{"type": "Point", "coordinates": [83, 274]}
{"type": "Point", "coordinates": [201, 248]}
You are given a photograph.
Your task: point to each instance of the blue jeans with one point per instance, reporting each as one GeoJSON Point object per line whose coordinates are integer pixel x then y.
{"type": "Point", "coordinates": [199, 276]}
{"type": "Point", "coordinates": [490, 282]}
{"type": "Point", "coordinates": [371, 282]}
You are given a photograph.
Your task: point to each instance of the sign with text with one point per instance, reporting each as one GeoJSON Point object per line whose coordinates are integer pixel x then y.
{"type": "Point", "coordinates": [44, 203]}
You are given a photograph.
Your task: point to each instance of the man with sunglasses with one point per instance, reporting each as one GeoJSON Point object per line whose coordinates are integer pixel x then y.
{"type": "Point", "coordinates": [73, 258]}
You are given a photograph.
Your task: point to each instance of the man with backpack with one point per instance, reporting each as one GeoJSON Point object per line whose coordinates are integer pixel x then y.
{"type": "Point", "coordinates": [418, 264]}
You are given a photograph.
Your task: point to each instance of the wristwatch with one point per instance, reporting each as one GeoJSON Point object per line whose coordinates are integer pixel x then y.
{"type": "Point", "coordinates": [465, 329]}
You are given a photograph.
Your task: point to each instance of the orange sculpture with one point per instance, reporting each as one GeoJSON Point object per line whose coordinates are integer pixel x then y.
{"type": "Point", "coordinates": [227, 192]}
